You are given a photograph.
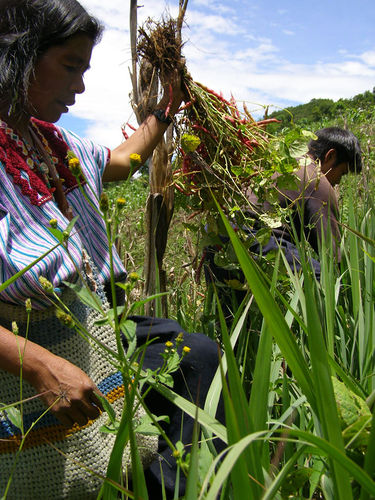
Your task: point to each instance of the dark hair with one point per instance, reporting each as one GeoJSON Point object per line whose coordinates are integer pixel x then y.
{"type": "Point", "coordinates": [27, 29]}
{"type": "Point", "coordinates": [345, 144]}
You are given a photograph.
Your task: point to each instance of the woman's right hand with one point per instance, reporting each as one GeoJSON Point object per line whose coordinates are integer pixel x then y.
{"type": "Point", "coordinates": [64, 387]}
{"type": "Point", "coordinates": [67, 390]}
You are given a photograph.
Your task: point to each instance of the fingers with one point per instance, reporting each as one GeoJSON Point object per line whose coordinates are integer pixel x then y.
{"type": "Point", "coordinates": [79, 412]}
{"type": "Point", "coordinates": [74, 407]}
{"type": "Point", "coordinates": [71, 395]}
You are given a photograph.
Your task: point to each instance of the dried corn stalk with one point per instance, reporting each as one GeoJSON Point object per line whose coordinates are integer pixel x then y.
{"type": "Point", "coordinates": [145, 77]}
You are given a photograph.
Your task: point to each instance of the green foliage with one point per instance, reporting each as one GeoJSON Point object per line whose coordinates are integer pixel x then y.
{"type": "Point", "coordinates": [307, 115]}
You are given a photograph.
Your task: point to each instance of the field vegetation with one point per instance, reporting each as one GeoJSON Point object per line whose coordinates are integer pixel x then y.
{"type": "Point", "coordinates": [298, 354]}
{"type": "Point", "coordinates": [297, 375]}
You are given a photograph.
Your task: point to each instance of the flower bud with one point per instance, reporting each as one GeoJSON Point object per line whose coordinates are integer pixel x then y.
{"type": "Point", "coordinates": [65, 318]}
{"type": "Point", "coordinates": [179, 338]}
{"type": "Point", "coordinates": [28, 305]}
{"type": "Point", "coordinates": [104, 203]}
{"type": "Point", "coordinates": [46, 285]}
{"type": "Point", "coordinates": [133, 277]}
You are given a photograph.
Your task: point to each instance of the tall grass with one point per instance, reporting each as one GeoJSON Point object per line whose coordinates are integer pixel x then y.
{"type": "Point", "coordinates": [285, 428]}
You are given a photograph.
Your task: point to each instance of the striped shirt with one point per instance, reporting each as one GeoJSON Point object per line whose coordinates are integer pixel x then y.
{"type": "Point", "coordinates": [24, 236]}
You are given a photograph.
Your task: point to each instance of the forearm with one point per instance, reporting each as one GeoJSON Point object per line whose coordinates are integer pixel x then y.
{"type": "Point", "coordinates": [143, 142]}
{"type": "Point", "coordinates": [16, 352]}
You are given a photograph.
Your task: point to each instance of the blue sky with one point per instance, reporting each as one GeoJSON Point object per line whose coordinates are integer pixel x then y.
{"type": "Point", "coordinates": [265, 52]}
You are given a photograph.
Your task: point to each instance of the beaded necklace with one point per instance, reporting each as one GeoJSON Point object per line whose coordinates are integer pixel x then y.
{"type": "Point", "coordinates": [45, 165]}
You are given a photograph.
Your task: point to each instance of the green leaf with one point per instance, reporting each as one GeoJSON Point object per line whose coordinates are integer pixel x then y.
{"type": "Point", "coordinates": [263, 235]}
{"type": "Point", "coordinates": [15, 277]}
{"type": "Point", "coordinates": [71, 224]}
{"type": "Point", "coordinates": [108, 408]}
{"type": "Point", "coordinates": [15, 416]}
{"type": "Point", "coordinates": [140, 303]}
{"type": "Point", "coordinates": [106, 429]}
{"type": "Point", "coordinates": [287, 181]}
{"type": "Point", "coordinates": [56, 233]}
{"type": "Point", "coordinates": [166, 378]}
{"type": "Point", "coordinates": [173, 362]}
{"type": "Point", "coordinates": [295, 481]}
{"type": "Point", "coordinates": [191, 491]}
{"type": "Point", "coordinates": [146, 425]}
{"type": "Point", "coordinates": [88, 298]}
{"type": "Point", "coordinates": [128, 328]}
{"type": "Point", "coordinates": [349, 405]}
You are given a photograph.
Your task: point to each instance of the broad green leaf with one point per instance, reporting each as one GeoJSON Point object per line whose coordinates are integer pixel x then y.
{"type": "Point", "coordinates": [88, 298]}
{"type": "Point", "coordinates": [146, 425]}
{"type": "Point", "coordinates": [350, 406]}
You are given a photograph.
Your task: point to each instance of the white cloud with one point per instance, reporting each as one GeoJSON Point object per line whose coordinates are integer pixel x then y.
{"type": "Point", "coordinates": [368, 58]}
{"type": "Point", "coordinates": [257, 71]}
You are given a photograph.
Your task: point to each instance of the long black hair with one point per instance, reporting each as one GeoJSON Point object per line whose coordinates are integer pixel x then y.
{"type": "Point", "coordinates": [27, 29]}
{"type": "Point", "coordinates": [344, 142]}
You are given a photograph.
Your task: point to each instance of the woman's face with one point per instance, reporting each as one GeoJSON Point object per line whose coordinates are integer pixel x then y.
{"type": "Point", "coordinates": [58, 77]}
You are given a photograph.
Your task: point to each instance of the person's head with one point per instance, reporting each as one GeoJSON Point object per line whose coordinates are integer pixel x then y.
{"type": "Point", "coordinates": [28, 29]}
{"type": "Point", "coordinates": [338, 151]}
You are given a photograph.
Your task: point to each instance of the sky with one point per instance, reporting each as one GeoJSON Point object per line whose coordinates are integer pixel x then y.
{"type": "Point", "coordinates": [273, 53]}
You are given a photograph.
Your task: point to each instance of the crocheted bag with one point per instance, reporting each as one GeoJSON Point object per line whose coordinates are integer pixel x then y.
{"type": "Point", "coordinates": [51, 464]}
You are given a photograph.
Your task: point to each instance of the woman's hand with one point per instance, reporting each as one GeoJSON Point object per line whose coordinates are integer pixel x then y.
{"type": "Point", "coordinates": [64, 387]}
{"type": "Point", "coordinates": [148, 135]}
{"type": "Point", "coordinates": [69, 392]}
{"type": "Point", "coordinates": [173, 93]}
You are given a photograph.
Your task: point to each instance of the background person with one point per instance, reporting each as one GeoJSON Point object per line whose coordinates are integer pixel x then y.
{"type": "Point", "coordinates": [313, 209]}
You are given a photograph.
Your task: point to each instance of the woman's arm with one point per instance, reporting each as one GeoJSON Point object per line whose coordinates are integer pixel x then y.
{"type": "Point", "coordinates": [145, 138]}
{"type": "Point", "coordinates": [56, 380]}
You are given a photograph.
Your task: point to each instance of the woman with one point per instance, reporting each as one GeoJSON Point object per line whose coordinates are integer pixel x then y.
{"type": "Point", "coordinates": [45, 49]}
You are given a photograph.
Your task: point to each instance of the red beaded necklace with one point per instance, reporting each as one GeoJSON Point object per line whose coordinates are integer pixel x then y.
{"type": "Point", "coordinates": [16, 154]}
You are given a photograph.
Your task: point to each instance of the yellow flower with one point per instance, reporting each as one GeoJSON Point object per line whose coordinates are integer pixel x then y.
{"type": "Point", "coordinates": [189, 143]}
{"type": "Point", "coordinates": [28, 305]}
{"type": "Point", "coordinates": [169, 344]}
{"type": "Point", "coordinates": [186, 349]}
{"type": "Point", "coordinates": [75, 166]}
{"type": "Point", "coordinates": [14, 328]}
{"type": "Point", "coordinates": [120, 202]}
{"type": "Point", "coordinates": [135, 161]}
{"type": "Point", "coordinates": [53, 223]}
{"type": "Point", "coordinates": [133, 277]}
